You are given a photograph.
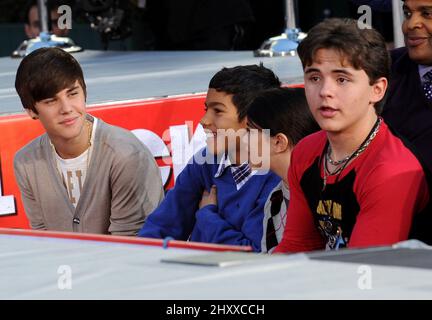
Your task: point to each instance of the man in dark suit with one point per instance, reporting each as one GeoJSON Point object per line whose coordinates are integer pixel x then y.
{"type": "Point", "coordinates": [409, 101]}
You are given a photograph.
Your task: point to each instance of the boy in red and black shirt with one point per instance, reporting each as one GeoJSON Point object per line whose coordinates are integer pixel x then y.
{"type": "Point", "coordinates": [353, 184]}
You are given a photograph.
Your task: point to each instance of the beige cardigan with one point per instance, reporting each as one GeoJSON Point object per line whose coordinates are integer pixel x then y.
{"type": "Point", "coordinates": [123, 185]}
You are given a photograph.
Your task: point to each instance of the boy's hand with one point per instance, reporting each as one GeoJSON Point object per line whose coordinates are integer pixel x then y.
{"type": "Point", "coordinates": [208, 197]}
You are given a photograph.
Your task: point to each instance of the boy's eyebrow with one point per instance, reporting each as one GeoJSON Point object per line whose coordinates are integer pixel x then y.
{"type": "Point", "coordinates": [47, 99]}
{"type": "Point", "coordinates": [74, 87]}
{"type": "Point", "coordinates": [213, 104]}
{"type": "Point", "coordinates": [310, 70]}
{"type": "Point", "coordinates": [343, 71]}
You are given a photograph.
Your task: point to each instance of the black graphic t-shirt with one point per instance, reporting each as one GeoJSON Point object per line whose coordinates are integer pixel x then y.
{"type": "Point", "coordinates": [371, 203]}
{"type": "Point", "coordinates": [335, 208]}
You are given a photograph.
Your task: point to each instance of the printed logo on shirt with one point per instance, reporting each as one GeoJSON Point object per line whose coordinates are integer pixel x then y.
{"type": "Point", "coordinates": [334, 208]}
{"type": "Point", "coordinates": [329, 220]}
{"type": "Point", "coordinates": [74, 183]}
{"type": "Point", "coordinates": [74, 173]}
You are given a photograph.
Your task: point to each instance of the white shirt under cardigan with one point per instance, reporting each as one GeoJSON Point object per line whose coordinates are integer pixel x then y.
{"type": "Point", "coordinates": [74, 171]}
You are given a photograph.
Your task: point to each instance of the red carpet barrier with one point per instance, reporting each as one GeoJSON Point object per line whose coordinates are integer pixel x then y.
{"type": "Point", "coordinates": [123, 239]}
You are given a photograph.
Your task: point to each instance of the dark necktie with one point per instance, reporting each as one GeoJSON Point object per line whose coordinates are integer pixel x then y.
{"type": "Point", "coordinates": [241, 172]}
{"type": "Point", "coordinates": [427, 85]}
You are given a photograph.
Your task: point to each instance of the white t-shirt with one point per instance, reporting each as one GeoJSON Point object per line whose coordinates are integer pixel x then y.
{"type": "Point", "coordinates": [74, 170]}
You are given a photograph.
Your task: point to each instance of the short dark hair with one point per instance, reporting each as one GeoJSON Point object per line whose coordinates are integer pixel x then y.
{"type": "Point", "coordinates": [283, 110]}
{"type": "Point", "coordinates": [45, 72]}
{"type": "Point", "coordinates": [363, 48]}
{"type": "Point", "coordinates": [244, 82]}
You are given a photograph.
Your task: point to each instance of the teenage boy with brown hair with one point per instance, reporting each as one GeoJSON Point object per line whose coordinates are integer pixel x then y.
{"type": "Point", "coordinates": [82, 175]}
{"type": "Point", "coordinates": [354, 183]}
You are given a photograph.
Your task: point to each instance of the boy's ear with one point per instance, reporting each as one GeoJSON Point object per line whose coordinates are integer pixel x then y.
{"type": "Point", "coordinates": [280, 143]}
{"type": "Point", "coordinates": [379, 89]}
{"type": "Point", "coordinates": [243, 122]}
{"type": "Point", "coordinates": [32, 114]}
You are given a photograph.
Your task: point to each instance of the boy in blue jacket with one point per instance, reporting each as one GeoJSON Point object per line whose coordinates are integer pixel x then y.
{"type": "Point", "coordinates": [217, 198]}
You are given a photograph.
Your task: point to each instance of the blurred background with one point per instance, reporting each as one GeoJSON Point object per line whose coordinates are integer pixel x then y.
{"type": "Point", "coordinates": [181, 24]}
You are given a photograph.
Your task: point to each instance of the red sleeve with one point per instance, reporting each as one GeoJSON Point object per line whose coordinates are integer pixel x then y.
{"type": "Point", "coordinates": [300, 232]}
{"type": "Point", "coordinates": [388, 203]}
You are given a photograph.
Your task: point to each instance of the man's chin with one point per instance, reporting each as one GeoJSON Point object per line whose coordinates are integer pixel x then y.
{"type": "Point", "coordinates": [420, 57]}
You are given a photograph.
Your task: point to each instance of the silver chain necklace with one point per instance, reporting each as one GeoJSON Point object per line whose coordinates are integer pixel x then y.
{"type": "Point", "coordinates": [357, 152]}
{"type": "Point", "coordinates": [354, 155]}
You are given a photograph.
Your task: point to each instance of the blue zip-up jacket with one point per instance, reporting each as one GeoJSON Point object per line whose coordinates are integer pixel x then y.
{"type": "Point", "coordinates": [236, 220]}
